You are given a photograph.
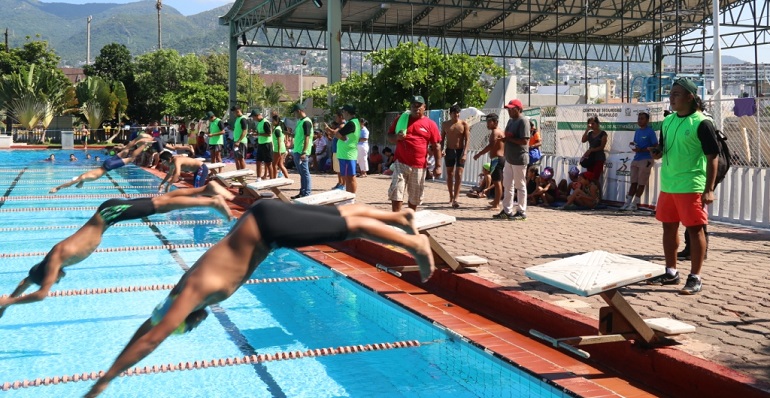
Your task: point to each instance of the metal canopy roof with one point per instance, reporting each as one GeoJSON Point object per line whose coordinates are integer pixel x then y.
{"type": "Point", "coordinates": [611, 30]}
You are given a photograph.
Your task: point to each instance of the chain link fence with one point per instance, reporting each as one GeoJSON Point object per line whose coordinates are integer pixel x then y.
{"type": "Point", "coordinates": [746, 123]}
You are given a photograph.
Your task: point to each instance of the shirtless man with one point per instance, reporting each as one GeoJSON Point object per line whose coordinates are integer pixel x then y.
{"type": "Point", "coordinates": [495, 149]}
{"type": "Point", "coordinates": [455, 134]}
{"type": "Point", "coordinates": [178, 164]}
{"type": "Point", "coordinates": [82, 243]}
{"type": "Point", "coordinates": [268, 224]}
{"type": "Point", "coordinates": [122, 158]}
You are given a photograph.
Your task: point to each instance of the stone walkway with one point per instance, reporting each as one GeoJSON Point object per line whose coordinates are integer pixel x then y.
{"type": "Point", "coordinates": [732, 313]}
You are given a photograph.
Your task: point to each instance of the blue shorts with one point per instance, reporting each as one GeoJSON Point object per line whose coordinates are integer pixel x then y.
{"type": "Point", "coordinates": [200, 176]}
{"type": "Point", "coordinates": [347, 167]}
{"type": "Point", "coordinates": [113, 163]}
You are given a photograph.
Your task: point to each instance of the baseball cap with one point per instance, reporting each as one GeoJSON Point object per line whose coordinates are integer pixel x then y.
{"type": "Point", "coordinates": [297, 107]}
{"type": "Point", "coordinates": [574, 171]}
{"type": "Point", "coordinates": [547, 173]}
{"type": "Point", "coordinates": [255, 112]}
{"type": "Point", "coordinates": [209, 114]}
{"type": "Point", "coordinates": [417, 98]}
{"type": "Point", "coordinates": [687, 84]}
{"type": "Point", "coordinates": [349, 108]}
{"type": "Point", "coordinates": [515, 103]}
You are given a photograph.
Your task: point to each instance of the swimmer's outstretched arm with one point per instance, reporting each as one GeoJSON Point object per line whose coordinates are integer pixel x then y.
{"type": "Point", "coordinates": [148, 338]}
{"type": "Point", "coordinates": [39, 295]}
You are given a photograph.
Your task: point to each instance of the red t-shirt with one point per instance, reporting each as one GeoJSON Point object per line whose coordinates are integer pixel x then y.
{"type": "Point", "coordinates": [413, 150]}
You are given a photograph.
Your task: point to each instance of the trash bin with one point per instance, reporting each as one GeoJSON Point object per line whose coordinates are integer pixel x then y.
{"type": "Point", "coordinates": [67, 140]}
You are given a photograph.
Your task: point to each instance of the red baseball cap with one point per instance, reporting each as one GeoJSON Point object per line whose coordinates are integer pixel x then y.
{"type": "Point", "coordinates": [588, 175]}
{"type": "Point", "coordinates": [514, 103]}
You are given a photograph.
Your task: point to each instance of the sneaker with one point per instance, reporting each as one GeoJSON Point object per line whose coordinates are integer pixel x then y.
{"type": "Point", "coordinates": [519, 216]}
{"type": "Point", "coordinates": [683, 255]}
{"type": "Point", "coordinates": [340, 187]}
{"type": "Point", "coordinates": [631, 207]}
{"type": "Point", "coordinates": [502, 215]}
{"type": "Point", "coordinates": [665, 279]}
{"type": "Point", "coordinates": [624, 207]}
{"type": "Point", "coordinates": [693, 285]}
{"type": "Point", "coordinates": [297, 196]}
{"type": "Point", "coordinates": [570, 206]}
{"type": "Point", "coordinates": [337, 186]}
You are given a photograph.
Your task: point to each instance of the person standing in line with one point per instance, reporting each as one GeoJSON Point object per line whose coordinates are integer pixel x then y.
{"type": "Point", "coordinates": [497, 158]}
{"type": "Point", "coordinates": [216, 137]}
{"type": "Point", "coordinates": [347, 147]}
{"type": "Point", "coordinates": [264, 131]}
{"type": "Point", "coordinates": [279, 149]}
{"type": "Point", "coordinates": [337, 124]}
{"type": "Point", "coordinates": [303, 135]}
{"type": "Point", "coordinates": [455, 136]}
{"type": "Point", "coordinates": [516, 138]}
{"type": "Point", "coordinates": [363, 149]}
{"type": "Point", "coordinates": [240, 137]}
{"type": "Point", "coordinates": [688, 149]}
{"type": "Point", "coordinates": [412, 132]}
{"type": "Point", "coordinates": [641, 166]}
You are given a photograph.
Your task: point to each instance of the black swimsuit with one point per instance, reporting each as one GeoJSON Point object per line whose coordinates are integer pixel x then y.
{"type": "Point", "coordinates": [116, 210]}
{"type": "Point", "coordinates": [289, 225]}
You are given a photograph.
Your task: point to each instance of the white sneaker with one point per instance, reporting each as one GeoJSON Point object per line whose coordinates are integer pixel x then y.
{"type": "Point", "coordinates": [631, 207]}
{"type": "Point", "coordinates": [624, 207]}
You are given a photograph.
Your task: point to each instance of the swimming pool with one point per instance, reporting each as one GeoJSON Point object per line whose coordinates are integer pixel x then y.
{"type": "Point", "coordinates": [305, 306]}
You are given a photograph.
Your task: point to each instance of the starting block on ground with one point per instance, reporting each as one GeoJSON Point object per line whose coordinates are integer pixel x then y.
{"type": "Point", "coordinates": [604, 273]}
{"type": "Point", "coordinates": [333, 197]}
{"type": "Point", "coordinates": [273, 184]}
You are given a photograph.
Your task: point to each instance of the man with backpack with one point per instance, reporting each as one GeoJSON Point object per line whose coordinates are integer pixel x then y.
{"type": "Point", "coordinates": [689, 150]}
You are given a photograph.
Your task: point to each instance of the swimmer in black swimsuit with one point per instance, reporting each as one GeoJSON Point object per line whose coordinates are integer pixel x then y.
{"type": "Point", "coordinates": [227, 265]}
{"type": "Point", "coordinates": [124, 157]}
{"type": "Point", "coordinates": [82, 243]}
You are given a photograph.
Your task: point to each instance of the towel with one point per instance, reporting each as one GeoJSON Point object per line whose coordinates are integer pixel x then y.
{"type": "Point", "coordinates": [745, 107]}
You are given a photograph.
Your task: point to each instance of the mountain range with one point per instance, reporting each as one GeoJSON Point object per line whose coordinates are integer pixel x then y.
{"type": "Point", "coordinates": [64, 26]}
{"type": "Point", "coordinates": [135, 25]}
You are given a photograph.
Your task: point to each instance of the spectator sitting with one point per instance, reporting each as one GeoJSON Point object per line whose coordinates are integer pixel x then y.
{"type": "Point", "coordinates": [532, 175]}
{"type": "Point", "coordinates": [545, 193]}
{"type": "Point", "coordinates": [387, 159]}
{"type": "Point", "coordinates": [586, 196]}
{"type": "Point", "coordinates": [567, 186]}
{"type": "Point", "coordinates": [375, 160]}
{"type": "Point", "coordinates": [484, 188]}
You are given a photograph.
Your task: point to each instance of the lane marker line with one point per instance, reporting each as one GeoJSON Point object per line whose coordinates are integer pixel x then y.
{"type": "Point", "coordinates": [86, 196]}
{"type": "Point", "coordinates": [119, 249]}
{"type": "Point", "coordinates": [217, 363]}
{"type": "Point", "coordinates": [118, 225]}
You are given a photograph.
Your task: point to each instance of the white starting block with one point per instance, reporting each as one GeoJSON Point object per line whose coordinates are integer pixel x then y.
{"type": "Point", "coordinates": [603, 273]}
{"type": "Point", "coordinates": [333, 197]}
{"type": "Point", "coordinates": [234, 178]}
{"type": "Point", "coordinates": [425, 220]}
{"type": "Point", "coordinates": [215, 167]}
{"type": "Point", "coordinates": [273, 184]}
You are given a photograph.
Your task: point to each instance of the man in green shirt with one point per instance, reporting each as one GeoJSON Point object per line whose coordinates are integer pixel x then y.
{"type": "Point", "coordinates": [216, 137]}
{"type": "Point", "coordinates": [240, 137]}
{"type": "Point", "coordinates": [303, 135]}
{"type": "Point", "coordinates": [347, 146]}
{"type": "Point", "coordinates": [263, 130]}
{"type": "Point", "coordinates": [688, 147]}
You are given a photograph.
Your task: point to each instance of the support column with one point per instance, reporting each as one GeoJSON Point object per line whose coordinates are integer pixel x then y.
{"type": "Point", "coordinates": [334, 33]}
{"type": "Point", "coordinates": [232, 73]}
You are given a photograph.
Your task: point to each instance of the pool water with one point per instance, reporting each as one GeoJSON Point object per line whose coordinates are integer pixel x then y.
{"type": "Point", "coordinates": [84, 333]}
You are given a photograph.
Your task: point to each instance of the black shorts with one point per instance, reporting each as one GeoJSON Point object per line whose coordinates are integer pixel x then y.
{"type": "Point", "coordinates": [497, 167]}
{"type": "Point", "coordinates": [454, 158]}
{"type": "Point", "coordinates": [215, 148]}
{"type": "Point", "coordinates": [265, 152]}
{"type": "Point", "coordinates": [289, 225]}
{"type": "Point", "coordinates": [116, 210]}
{"type": "Point", "coordinates": [37, 272]}
{"type": "Point", "coordinates": [240, 150]}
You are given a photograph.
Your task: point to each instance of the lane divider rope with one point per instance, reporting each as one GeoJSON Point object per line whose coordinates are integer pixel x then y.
{"type": "Point", "coordinates": [121, 224]}
{"type": "Point", "coordinates": [84, 196]}
{"type": "Point", "coordinates": [167, 286]}
{"type": "Point", "coordinates": [119, 249]}
{"type": "Point", "coordinates": [24, 181]}
{"type": "Point", "coordinates": [91, 187]}
{"type": "Point", "coordinates": [216, 363]}
{"type": "Point", "coordinates": [37, 209]}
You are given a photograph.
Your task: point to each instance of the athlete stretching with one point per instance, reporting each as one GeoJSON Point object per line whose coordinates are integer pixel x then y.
{"type": "Point", "coordinates": [82, 243]}
{"type": "Point", "coordinates": [122, 158]}
{"type": "Point", "coordinates": [268, 224]}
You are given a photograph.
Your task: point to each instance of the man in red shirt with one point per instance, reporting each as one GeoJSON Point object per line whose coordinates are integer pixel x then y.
{"type": "Point", "coordinates": [412, 133]}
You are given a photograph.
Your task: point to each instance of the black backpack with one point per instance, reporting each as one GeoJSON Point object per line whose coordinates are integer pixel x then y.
{"type": "Point", "coordinates": [723, 157]}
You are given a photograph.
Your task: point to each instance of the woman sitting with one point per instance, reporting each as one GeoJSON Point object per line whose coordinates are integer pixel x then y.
{"type": "Point", "coordinates": [587, 196]}
{"type": "Point", "coordinates": [545, 192]}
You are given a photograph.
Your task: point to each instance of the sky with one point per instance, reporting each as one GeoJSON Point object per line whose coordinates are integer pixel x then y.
{"type": "Point", "coordinates": [186, 7]}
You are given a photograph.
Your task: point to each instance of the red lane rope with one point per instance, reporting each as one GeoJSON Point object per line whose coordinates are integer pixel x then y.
{"type": "Point", "coordinates": [36, 209]}
{"type": "Point", "coordinates": [122, 224]}
{"type": "Point", "coordinates": [216, 363]}
{"type": "Point", "coordinates": [167, 286]}
{"type": "Point", "coordinates": [86, 196]}
{"type": "Point", "coordinates": [119, 249]}
{"type": "Point", "coordinates": [91, 187]}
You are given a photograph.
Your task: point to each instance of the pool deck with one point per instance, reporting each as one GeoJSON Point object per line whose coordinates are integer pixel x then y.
{"type": "Point", "coordinates": [728, 355]}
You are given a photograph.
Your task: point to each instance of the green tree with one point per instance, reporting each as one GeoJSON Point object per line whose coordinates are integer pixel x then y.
{"type": "Point", "coordinates": [271, 95]}
{"type": "Point", "coordinates": [194, 99]}
{"type": "Point", "coordinates": [33, 52]}
{"type": "Point", "coordinates": [159, 73]}
{"type": "Point", "coordinates": [217, 74]}
{"type": "Point", "coordinates": [114, 64]}
{"type": "Point", "coordinates": [97, 101]}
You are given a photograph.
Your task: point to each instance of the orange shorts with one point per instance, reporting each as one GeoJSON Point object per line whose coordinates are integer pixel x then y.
{"type": "Point", "coordinates": [686, 208]}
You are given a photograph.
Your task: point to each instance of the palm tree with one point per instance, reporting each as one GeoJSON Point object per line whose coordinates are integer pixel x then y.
{"type": "Point", "coordinates": [98, 102]}
{"type": "Point", "coordinates": [271, 97]}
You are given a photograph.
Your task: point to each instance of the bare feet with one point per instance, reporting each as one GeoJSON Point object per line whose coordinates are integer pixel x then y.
{"type": "Point", "coordinates": [54, 190]}
{"type": "Point", "coordinates": [221, 206]}
{"type": "Point", "coordinates": [214, 189]}
{"type": "Point", "coordinates": [409, 225]}
{"type": "Point", "coordinates": [455, 204]}
{"type": "Point", "coordinates": [424, 256]}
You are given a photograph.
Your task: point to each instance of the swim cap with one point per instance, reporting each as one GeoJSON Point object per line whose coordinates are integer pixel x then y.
{"type": "Point", "coordinates": [574, 171]}
{"type": "Point", "coordinates": [547, 173]}
{"type": "Point", "coordinates": [487, 166]}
